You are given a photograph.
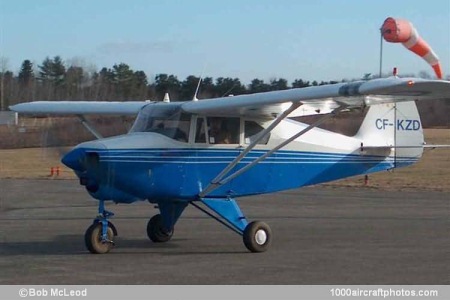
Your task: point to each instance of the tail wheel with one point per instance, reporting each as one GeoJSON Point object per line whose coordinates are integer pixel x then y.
{"type": "Point", "coordinates": [257, 236]}
{"type": "Point", "coordinates": [156, 231]}
{"type": "Point", "coordinates": [93, 239]}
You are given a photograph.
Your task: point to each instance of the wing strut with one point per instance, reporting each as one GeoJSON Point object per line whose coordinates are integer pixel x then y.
{"type": "Point", "coordinates": [89, 127]}
{"type": "Point", "coordinates": [220, 180]}
{"type": "Point", "coordinates": [217, 181]}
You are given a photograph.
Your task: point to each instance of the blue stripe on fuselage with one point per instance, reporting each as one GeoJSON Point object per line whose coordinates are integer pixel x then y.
{"type": "Point", "coordinates": [184, 173]}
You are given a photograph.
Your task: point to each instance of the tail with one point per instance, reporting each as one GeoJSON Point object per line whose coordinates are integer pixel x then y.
{"type": "Point", "coordinates": [394, 129]}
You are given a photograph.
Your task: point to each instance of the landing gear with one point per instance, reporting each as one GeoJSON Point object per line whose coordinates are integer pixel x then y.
{"type": "Point", "coordinates": [257, 236]}
{"type": "Point", "coordinates": [156, 230]}
{"type": "Point", "coordinates": [99, 237]}
{"type": "Point", "coordinates": [94, 240]}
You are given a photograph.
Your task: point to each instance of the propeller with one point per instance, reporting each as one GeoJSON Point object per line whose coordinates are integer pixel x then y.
{"type": "Point", "coordinates": [60, 137]}
{"type": "Point", "coordinates": [52, 139]}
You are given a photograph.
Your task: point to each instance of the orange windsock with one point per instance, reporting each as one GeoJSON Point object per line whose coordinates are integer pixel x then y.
{"type": "Point", "coordinates": [402, 31]}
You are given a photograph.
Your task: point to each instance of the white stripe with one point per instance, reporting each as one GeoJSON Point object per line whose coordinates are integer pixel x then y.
{"type": "Point", "coordinates": [215, 158]}
{"type": "Point", "coordinates": [222, 151]}
{"type": "Point", "coordinates": [413, 39]}
{"type": "Point", "coordinates": [431, 58]}
{"type": "Point", "coordinates": [263, 162]}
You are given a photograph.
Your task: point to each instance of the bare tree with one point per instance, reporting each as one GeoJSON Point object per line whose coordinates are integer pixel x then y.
{"type": "Point", "coordinates": [3, 69]}
{"type": "Point", "coordinates": [425, 75]}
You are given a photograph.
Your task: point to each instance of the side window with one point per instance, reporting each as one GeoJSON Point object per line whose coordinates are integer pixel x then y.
{"type": "Point", "coordinates": [182, 129]}
{"type": "Point", "coordinates": [223, 130]}
{"type": "Point", "coordinates": [251, 132]}
{"type": "Point", "coordinates": [200, 132]}
{"type": "Point", "coordinates": [175, 128]}
{"type": "Point", "coordinates": [166, 120]}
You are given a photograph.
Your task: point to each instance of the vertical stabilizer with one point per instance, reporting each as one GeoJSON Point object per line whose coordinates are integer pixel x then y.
{"type": "Point", "coordinates": [395, 125]}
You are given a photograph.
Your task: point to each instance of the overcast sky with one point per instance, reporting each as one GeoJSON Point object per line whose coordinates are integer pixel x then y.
{"type": "Point", "coordinates": [311, 40]}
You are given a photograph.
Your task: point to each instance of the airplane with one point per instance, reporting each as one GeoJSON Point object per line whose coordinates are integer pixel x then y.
{"type": "Point", "coordinates": [208, 153]}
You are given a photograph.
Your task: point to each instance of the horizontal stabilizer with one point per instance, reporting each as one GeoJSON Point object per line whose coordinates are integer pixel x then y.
{"type": "Point", "coordinates": [436, 146]}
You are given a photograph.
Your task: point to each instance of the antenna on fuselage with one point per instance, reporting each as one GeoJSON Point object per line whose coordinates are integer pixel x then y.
{"type": "Point", "coordinates": [198, 85]}
{"type": "Point", "coordinates": [196, 90]}
{"type": "Point", "coordinates": [166, 98]}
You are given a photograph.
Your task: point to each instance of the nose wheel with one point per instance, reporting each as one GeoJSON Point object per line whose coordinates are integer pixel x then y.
{"type": "Point", "coordinates": [96, 242]}
{"type": "Point", "coordinates": [99, 237]}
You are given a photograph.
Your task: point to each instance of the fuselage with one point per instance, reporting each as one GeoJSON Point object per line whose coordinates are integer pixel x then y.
{"type": "Point", "coordinates": [151, 163]}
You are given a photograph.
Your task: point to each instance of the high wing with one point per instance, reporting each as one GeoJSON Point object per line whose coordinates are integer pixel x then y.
{"type": "Point", "coordinates": [324, 99]}
{"type": "Point", "coordinates": [311, 100]}
{"type": "Point", "coordinates": [79, 107]}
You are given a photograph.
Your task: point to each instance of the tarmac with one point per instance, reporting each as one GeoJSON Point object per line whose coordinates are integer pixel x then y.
{"type": "Point", "coordinates": [321, 236]}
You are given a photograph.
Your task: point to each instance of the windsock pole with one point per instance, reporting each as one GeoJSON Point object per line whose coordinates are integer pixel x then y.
{"type": "Point", "coordinates": [381, 52]}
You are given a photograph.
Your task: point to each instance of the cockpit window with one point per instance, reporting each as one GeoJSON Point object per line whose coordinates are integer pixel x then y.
{"type": "Point", "coordinates": [168, 121]}
{"type": "Point", "coordinates": [223, 130]}
{"type": "Point", "coordinates": [200, 135]}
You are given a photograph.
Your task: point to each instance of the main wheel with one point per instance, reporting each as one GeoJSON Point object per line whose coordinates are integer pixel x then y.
{"type": "Point", "coordinates": [93, 239]}
{"type": "Point", "coordinates": [257, 236]}
{"type": "Point", "coordinates": [156, 231]}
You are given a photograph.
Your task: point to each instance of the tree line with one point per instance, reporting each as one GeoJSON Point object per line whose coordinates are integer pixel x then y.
{"type": "Point", "coordinates": [53, 79]}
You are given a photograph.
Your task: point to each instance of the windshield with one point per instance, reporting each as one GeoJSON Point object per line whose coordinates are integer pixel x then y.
{"type": "Point", "coordinates": [163, 119]}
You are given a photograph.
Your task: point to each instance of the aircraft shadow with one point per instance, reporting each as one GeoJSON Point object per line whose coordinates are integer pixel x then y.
{"type": "Point", "coordinates": [74, 245]}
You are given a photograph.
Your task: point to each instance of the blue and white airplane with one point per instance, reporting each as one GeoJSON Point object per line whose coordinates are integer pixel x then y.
{"type": "Point", "coordinates": [210, 152]}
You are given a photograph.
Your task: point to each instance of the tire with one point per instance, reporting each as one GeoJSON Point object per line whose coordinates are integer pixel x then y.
{"type": "Point", "coordinates": [156, 231]}
{"type": "Point", "coordinates": [257, 236]}
{"type": "Point", "coordinates": [93, 239]}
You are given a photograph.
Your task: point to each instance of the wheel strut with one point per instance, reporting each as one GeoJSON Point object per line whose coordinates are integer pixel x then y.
{"type": "Point", "coordinates": [99, 236]}
{"type": "Point", "coordinates": [102, 217]}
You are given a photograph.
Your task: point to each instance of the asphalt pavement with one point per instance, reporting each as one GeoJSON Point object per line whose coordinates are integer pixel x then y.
{"type": "Point", "coordinates": [321, 235]}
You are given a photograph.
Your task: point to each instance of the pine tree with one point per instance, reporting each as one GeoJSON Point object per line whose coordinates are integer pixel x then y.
{"type": "Point", "coordinates": [26, 74]}
{"type": "Point", "coordinates": [188, 88]}
{"type": "Point", "coordinates": [167, 84]}
{"type": "Point", "coordinates": [258, 86]}
{"type": "Point", "coordinates": [123, 78]}
{"type": "Point", "coordinates": [299, 83]}
{"type": "Point", "coordinates": [58, 70]}
{"type": "Point", "coordinates": [45, 72]}
{"type": "Point", "coordinates": [278, 84]}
